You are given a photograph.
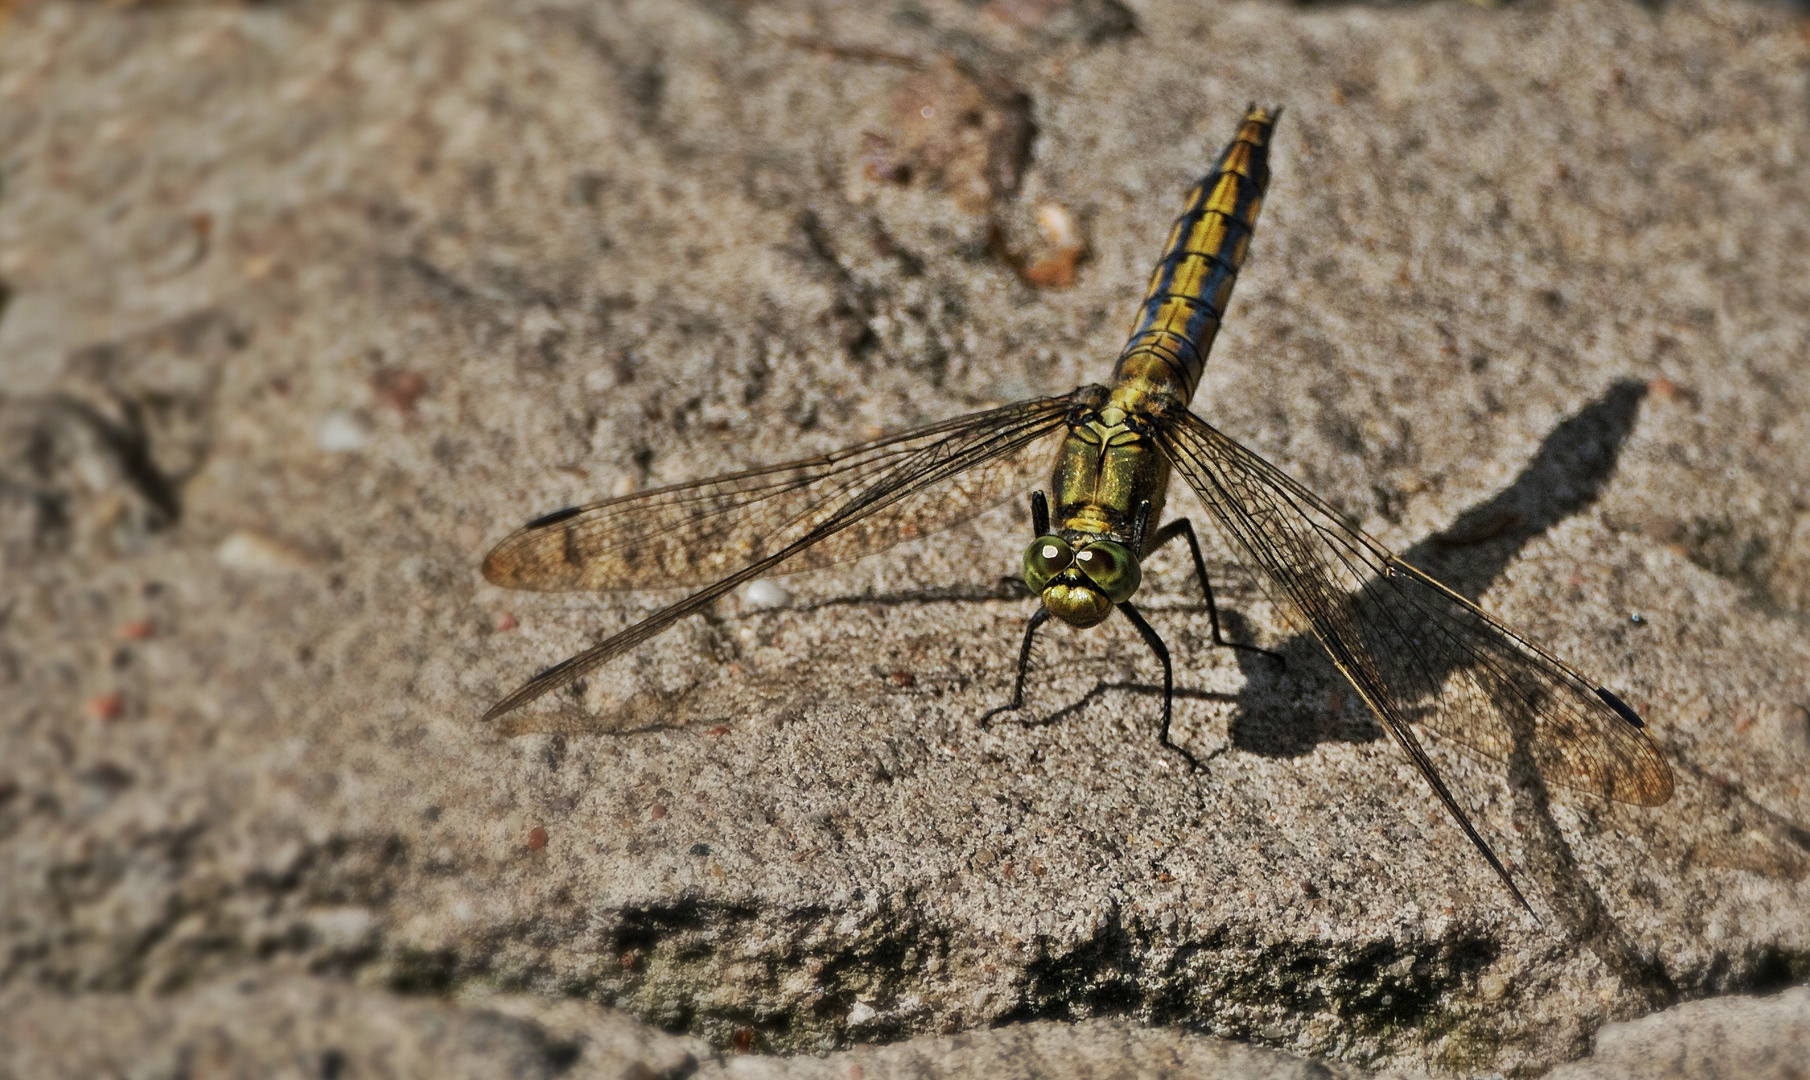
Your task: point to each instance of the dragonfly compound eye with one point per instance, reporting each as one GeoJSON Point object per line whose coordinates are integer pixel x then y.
{"type": "Point", "coordinates": [1112, 567]}
{"type": "Point", "coordinates": [1044, 559]}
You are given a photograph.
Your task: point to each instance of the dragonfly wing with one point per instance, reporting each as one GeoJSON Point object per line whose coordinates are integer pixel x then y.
{"type": "Point", "coordinates": [732, 529]}
{"type": "Point", "coordinates": [1416, 651]}
{"type": "Point", "coordinates": [697, 533]}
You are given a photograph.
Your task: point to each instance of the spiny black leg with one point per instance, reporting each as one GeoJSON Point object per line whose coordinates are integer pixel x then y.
{"type": "Point", "coordinates": [1185, 528]}
{"type": "Point", "coordinates": [1161, 650]}
{"type": "Point", "coordinates": [1040, 526]}
{"type": "Point", "coordinates": [1024, 666]}
{"type": "Point", "coordinates": [1140, 521]}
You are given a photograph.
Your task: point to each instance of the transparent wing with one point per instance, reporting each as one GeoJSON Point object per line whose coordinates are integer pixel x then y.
{"type": "Point", "coordinates": [730, 529]}
{"type": "Point", "coordinates": [697, 532]}
{"type": "Point", "coordinates": [1415, 650]}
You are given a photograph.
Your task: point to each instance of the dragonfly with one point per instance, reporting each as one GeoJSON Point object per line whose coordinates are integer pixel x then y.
{"type": "Point", "coordinates": [1416, 652]}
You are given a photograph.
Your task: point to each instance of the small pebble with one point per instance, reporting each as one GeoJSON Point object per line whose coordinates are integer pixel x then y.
{"type": "Point", "coordinates": [248, 550]}
{"type": "Point", "coordinates": [340, 431]}
{"type": "Point", "coordinates": [537, 838]}
{"type": "Point", "coordinates": [399, 389]}
{"type": "Point", "coordinates": [1055, 269]}
{"type": "Point", "coordinates": [1058, 225]}
{"type": "Point", "coordinates": [765, 594]}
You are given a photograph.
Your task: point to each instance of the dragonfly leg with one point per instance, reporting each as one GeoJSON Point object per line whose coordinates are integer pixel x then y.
{"type": "Point", "coordinates": [1155, 641]}
{"type": "Point", "coordinates": [1024, 666]}
{"type": "Point", "coordinates": [1184, 528]}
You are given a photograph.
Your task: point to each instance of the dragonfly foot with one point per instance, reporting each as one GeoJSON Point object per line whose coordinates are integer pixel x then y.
{"type": "Point", "coordinates": [987, 717]}
{"type": "Point", "coordinates": [1193, 762]}
{"type": "Point", "coordinates": [1024, 666]}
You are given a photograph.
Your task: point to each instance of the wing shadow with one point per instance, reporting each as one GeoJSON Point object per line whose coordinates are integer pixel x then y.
{"type": "Point", "coordinates": [1566, 475]}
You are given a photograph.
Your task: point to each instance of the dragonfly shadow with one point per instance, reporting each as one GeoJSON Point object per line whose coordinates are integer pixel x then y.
{"type": "Point", "coordinates": [1566, 475]}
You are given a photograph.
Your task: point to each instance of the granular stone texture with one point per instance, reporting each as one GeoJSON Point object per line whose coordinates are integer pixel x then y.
{"type": "Point", "coordinates": [1735, 1037]}
{"type": "Point", "coordinates": [276, 1025]}
{"type": "Point", "coordinates": [298, 1026]}
{"type": "Point", "coordinates": [303, 307]}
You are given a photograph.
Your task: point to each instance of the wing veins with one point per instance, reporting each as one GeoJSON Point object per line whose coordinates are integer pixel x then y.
{"type": "Point", "coordinates": [973, 441]}
{"type": "Point", "coordinates": [695, 533]}
{"type": "Point", "coordinates": [1497, 658]}
{"type": "Point", "coordinates": [1403, 639]}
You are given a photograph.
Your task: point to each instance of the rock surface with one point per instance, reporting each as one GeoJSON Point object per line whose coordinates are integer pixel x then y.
{"type": "Point", "coordinates": [274, 1025]}
{"type": "Point", "coordinates": [1746, 1037]}
{"type": "Point", "coordinates": [306, 306]}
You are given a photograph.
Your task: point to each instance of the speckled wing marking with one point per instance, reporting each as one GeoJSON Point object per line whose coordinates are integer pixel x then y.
{"type": "Point", "coordinates": [1193, 281]}
{"type": "Point", "coordinates": [726, 530]}
{"type": "Point", "coordinates": [1414, 650]}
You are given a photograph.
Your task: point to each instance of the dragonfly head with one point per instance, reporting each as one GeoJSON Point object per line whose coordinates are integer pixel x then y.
{"type": "Point", "coordinates": [1081, 583]}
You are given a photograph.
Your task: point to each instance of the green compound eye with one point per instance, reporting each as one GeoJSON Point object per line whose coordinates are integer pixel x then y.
{"type": "Point", "coordinates": [1112, 567]}
{"type": "Point", "coordinates": [1044, 559]}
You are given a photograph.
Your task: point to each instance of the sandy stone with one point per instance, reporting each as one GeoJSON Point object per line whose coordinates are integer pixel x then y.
{"type": "Point", "coordinates": [1529, 300]}
{"type": "Point", "coordinates": [1737, 1036]}
{"type": "Point", "coordinates": [286, 1025]}
{"type": "Point", "coordinates": [276, 1025]}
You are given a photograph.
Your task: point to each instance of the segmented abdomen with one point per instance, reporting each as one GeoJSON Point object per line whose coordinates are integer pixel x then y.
{"type": "Point", "coordinates": [1188, 292]}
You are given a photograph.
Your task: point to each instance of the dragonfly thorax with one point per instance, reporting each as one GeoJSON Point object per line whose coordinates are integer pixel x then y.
{"type": "Point", "coordinates": [1080, 578]}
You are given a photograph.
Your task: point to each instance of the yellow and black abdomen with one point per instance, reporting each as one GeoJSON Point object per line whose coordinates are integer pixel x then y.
{"type": "Point", "coordinates": [1188, 292]}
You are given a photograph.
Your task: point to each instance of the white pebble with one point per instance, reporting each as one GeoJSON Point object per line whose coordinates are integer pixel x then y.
{"type": "Point", "coordinates": [340, 431]}
{"type": "Point", "coordinates": [765, 594]}
{"type": "Point", "coordinates": [247, 550]}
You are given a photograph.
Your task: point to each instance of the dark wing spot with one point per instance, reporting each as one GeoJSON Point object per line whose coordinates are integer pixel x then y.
{"type": "Point", "coordinates": [1621, 708]}
{"type": "Point", "coordinates": [573, 556]}
{"type": "Point", "coordinates": [548, 519]}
